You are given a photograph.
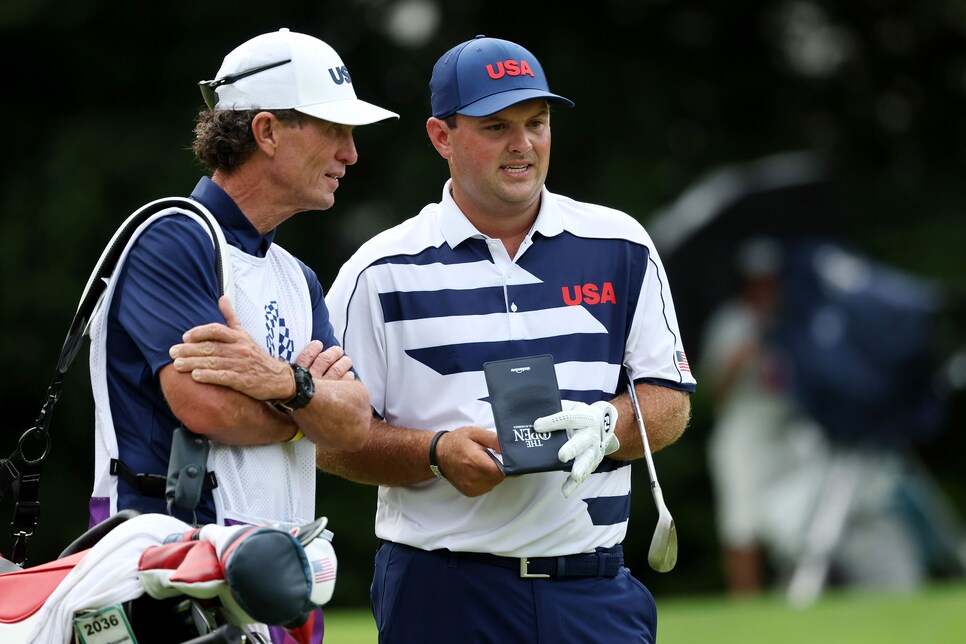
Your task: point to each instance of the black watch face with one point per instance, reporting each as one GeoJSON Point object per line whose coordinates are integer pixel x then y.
{"type": "Point", "coordinates": [304, 387]}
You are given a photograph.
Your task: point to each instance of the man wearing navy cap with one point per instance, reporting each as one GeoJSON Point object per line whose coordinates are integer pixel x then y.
{"type": "Point", "coordinates": [503, 268]}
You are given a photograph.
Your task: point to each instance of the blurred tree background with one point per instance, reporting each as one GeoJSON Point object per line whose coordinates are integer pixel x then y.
{"type": "Point", "coordinates": [101, 105]}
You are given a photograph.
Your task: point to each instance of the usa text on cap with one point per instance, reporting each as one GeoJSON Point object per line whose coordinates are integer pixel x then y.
{"type": "Point", "coordinates": [485, 75]}
{"type": "Point", "coordinates": [288, 70]}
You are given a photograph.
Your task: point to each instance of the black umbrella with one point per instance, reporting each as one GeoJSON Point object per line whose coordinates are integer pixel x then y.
{"type": "Point", "coordinates": [786, 197]}
{"type": "Point", "coordinates": [857, 334]}
{"type": "Point", "coordinates": [861, 340]}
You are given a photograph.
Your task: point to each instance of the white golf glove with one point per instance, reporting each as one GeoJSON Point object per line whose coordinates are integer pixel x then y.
{"type": "Point", "coordinates": [591, 432]}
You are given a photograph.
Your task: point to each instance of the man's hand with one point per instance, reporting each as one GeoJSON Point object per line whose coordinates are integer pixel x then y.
{"type": "Point", "coordinates": [591, 431]}
{"type": "Point", "coordinates": [465, 462]}
{"type": "Point", "coordinates": [225, 354]}
{"type": "Point", "coordinates": [326, 364]}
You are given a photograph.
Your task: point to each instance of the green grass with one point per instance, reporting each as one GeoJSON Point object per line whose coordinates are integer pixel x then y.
{"type": "Point", "coordinates": [345, 626]}
{"type": "Point", "coordinates": [932, 616]}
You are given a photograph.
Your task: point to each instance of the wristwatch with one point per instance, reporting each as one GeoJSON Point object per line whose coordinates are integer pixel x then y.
{"type": "Point", "coordinates": [304, 390]}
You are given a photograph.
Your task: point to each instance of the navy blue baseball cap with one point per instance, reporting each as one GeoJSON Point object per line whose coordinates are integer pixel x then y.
{"type": "Point", "coordinates": [485, 75]}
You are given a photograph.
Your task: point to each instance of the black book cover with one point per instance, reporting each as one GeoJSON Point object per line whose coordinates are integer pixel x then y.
{"type": "Point", "coordinates": [521, 391]}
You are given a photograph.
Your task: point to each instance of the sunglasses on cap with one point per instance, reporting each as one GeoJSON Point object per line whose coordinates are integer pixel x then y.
{"type": "Point", "coordinates": [208, 87]}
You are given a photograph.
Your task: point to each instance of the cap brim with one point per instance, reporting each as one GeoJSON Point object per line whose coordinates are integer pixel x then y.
{"type": "Point", "coordinates": [496, 102]}
{"type": "Point", "coordinates": [348, 112]}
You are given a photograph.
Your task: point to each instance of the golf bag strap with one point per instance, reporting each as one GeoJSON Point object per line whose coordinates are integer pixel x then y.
{"type": "Point", "coordinates": [20, 472]}
{"type": "Point", "coordinates": [9, 473]}
{"type": "Point", "coordinates": [26, 511]}
{"type": "Point", "coordinates": [104, 269]}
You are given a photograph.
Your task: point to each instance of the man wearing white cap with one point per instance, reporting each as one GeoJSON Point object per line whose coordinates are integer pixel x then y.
{"type": "Point", "coordinates": [501, 268]}
{"type": "Point", "coordinates": [261, 376]}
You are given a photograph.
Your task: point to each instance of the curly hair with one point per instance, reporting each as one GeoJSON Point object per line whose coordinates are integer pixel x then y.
{"type": "Point", "coordinates": [223, 138]}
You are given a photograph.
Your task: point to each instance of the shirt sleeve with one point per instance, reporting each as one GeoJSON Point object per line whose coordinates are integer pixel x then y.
{"type": "Point", "coordinates": [167, 285]}
{"type": "Point", "coordinates": [654, 350]}
{"type": "Point", "coordinates": [357, 319]}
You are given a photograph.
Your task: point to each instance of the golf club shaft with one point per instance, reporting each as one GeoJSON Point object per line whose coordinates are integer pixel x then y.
{"type": "Point", "coordinates": [663, 552]}
{"type": "Point", "coordinates": [640, 425]}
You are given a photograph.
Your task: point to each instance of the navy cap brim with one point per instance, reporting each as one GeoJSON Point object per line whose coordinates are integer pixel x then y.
{"type": "Point", "coordinates": [495, 102]}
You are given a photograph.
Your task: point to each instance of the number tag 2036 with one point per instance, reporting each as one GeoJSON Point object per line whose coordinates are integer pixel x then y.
{"type": "Point", "coordinates": [105, 626]}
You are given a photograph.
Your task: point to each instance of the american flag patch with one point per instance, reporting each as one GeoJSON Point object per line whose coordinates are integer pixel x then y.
{"type": "Point", "coordinates": [323, 570]}
{"type": "Point", "coordinates": [682, 361]}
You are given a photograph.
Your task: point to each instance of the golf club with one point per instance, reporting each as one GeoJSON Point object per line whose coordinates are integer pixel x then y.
{"type": "Point", "coordinates": [663, 553]}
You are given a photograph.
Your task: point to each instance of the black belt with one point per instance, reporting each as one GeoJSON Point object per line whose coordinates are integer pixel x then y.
{"type": "Point", "coordinates": [605, 562]}
{"type": "Point", "coordinates": [152, 485]}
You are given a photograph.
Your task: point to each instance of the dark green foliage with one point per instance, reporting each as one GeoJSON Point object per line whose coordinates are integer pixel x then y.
{"type": "Point", "coordinates": [98, 108]}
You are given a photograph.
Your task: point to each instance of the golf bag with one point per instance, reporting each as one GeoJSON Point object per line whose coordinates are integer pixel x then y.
{"type": "Point", "coordinates": [153, 578]}
{"type": "Point", "coordinates": [860, 340]}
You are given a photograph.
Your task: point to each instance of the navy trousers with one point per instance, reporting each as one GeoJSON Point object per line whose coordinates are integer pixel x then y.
{"type": "Point", "coordinates": [420, 597]}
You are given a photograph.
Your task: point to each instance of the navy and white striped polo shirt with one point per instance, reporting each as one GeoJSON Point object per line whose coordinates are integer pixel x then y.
{"type": "Point", "coordinates": [419, 309]}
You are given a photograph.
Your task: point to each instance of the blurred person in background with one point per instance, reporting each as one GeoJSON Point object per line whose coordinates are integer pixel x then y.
{"type": "Point", "coordinates": [759, 438]}
{"type": "Point", "coordinates": [788, 499]}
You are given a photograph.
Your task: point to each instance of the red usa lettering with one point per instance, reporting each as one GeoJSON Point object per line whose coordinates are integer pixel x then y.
{"type": "Point", "coordinates": [589, 294]}
{"type": "Point", "coordinates": [509, 68]}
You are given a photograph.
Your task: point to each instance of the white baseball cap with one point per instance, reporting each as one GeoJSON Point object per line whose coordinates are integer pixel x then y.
{"type": "Point", "coordinates": [287, 70]}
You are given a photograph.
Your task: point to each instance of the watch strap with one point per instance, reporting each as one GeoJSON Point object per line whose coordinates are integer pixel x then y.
{"type": "Point", "coordinates": [433, 463]}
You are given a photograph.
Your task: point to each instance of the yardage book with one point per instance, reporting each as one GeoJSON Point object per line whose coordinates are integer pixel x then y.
{"type": "Point", "coordinates": [521, 391]}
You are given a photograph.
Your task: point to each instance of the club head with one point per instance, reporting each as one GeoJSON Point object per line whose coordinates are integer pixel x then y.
{"type": "Point", "coordinates": [663, 553]}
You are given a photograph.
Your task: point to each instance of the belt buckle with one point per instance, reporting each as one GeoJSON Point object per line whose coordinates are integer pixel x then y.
{"type": "Point", "coordinates": [525, 572]}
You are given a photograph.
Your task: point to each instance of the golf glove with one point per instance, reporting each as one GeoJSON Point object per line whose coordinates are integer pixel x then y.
{"type": "Point", "coordinates": [590, 429]}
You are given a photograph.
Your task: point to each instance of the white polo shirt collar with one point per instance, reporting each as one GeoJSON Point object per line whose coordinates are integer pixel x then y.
{"type": "Point", "coordinates": [456, 228]}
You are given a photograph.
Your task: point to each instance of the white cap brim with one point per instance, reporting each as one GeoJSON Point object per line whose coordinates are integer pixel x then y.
{"type": "Point", "coordinates": [350, 111]}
